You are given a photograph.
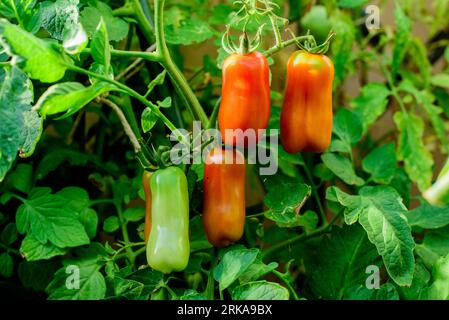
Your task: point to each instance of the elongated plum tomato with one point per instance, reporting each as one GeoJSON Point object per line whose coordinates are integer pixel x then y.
{"type": "Point", "coordinates": [224, 196]}
{"type": "Point", "coordinates": [168, 246]}
{"type": "Point", "coordinates": [306, 115]}
{"type": "Point", "coordinates": [245, 102]}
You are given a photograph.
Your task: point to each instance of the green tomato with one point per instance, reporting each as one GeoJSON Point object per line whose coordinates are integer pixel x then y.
{"type": "Point", "coordinates": [317, 22]}
{"type": "Point", "coordinates": [168, 246]}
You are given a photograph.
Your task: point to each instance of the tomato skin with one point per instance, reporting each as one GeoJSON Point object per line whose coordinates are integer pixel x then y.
{"type": "Point", "coordinates": [306, 115]}
{"type": "Point", "coordinates": [168, 246]}
{"type": "Point", "coordinates": [224, 196]}
{"type": "Point", "coordinates": [245, 102]}
{"type": "Point", "coordinates": [147, 190]}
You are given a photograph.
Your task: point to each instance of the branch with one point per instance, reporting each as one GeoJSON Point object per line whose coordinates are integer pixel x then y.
{"type": "Point", "coordinates": [178, 79]}
{"type": "Point", "coordinates": [129, 132]}
{"type": "Point", "coordinates": [281, 45]}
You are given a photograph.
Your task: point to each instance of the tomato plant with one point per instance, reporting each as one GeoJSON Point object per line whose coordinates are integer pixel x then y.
{"type": "Point", "coordinates": [115, 184]}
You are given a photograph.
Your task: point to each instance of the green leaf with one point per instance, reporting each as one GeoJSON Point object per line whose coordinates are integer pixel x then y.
{"type": "Point", "coordinates": [9, 234]}
{"type": "Point", "coordinates": [100, 48]}
{"type": "Point", "coordinates": [191, 294]}
{"type": "Point", "coordinates": [89, 218]}
{"type": "Point", "coordinates": [387, 291]}
{"type": "Point", "coordinates": [160, 78]}
{"type": "Point", "coordinates": [6, 265]}
{"type": "Point", "coordinates": [34, 250]}
{"type": "Point", "coordinates": [134, 214]}
{"type": "Point", "coordinates": [91, 285]}
{"type": "Point", "coordinates": [75, 40]}
{"type": "Point", "coordinates": [24, 12]}
{"type": "Point", "coordinates": [371, 103]}
{"type": "Point", "coordinates": [68, 97]}
{"type": "Point", "coordinates": [233, 264]}
{"type": "Point", "coordinates": [381, 213]}
{"type": "Point", "coordinates": [148, 120]}
{"type": "Point", "coordinates": [198, 239]}
{"type": "Point", "coordinates": [401, 39]}
{"type": "Point", "coordinates": [54, 159]}
{"type": "Point", "coordinates": [440, 80]}
{"type": "Point", "coordinates": [76, 198]}
{"type": "Point", "coordinates": [285, 203]}
{"type": "Point", "coordinates": [257, 270]}
{"type": "Point", "coordinates": [22, 177]}
{"type": "Point", "coordinates": [40, 59]}
{"type": "Point", "coordinates": [111, 224]}
{"type": "Point", "coordinates": [260, 290]}
{"type": "Point", "coordinates": [316, 20]}
{"type": "Point", "coordinates": [126, 288]}
{"type": "Point", "coordinates": [37, 275]}
{"type": "Point", "coordinates": [150, 278]}
{"type": "Point", "coordinates": [341, 47]}
{"type": "Point", "coordinates": [417, 159]}
{"type": "Point", "coordinates": [342, 168]}
{"type": "Point", "coordinates": [418, 53]}
{"type": "Point", "coordinates": [434, 246]}
{"type": "Point", "coordinates": [428, 217]}
{"type": "Point", "coordinates": [381, 163]}
{"type": "Point", "coordinates": [117, 29]}
{"type": "Point", "coordinates": [189, 31]}
{"type": "Point", "coordinates": [439, 290]}
{"type": "Point", "coordinates": [351, 3]}
{"type": "Point", "coordinates": [419, 288]}
{"type": "Point", "coordinates": [347, 126]}
{"type": "Point", "coordinates": [166, 103]}
{"type": "Point", "coordinates": [426, 100]}
{"type": "Point", "coordinates": [21, 127]}
{"type": "Point", "coordinates": [341, 263]}
{"type": "Point", "coordinates": [48, 217]}
{"type": "Point", "coordinates": [59, 16]}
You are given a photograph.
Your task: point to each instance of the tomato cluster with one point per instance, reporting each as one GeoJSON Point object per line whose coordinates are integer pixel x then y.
{"type": "Point", "coordinates": [306, 125]}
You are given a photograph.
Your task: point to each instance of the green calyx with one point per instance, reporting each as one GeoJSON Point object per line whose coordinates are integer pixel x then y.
{"type": "Point", "coordinates": [245, 46]}
{"type": "Point", "coordinates": [310, 45]}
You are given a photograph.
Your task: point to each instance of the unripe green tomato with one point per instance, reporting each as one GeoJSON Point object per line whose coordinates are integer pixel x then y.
{"type": "Point", "coordinates": [168, 246]}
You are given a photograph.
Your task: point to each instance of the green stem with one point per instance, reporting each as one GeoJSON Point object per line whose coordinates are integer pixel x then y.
{"type": "Point", "coordinates": [172, 293]}
{"type": "Point", "coordinates": [143, 22]}
{"type": "Point", "coordinates": [297, 239]}
{"type": "Point", "coordinates": [9, 249]}
{"type": "Point", "coordinates": [210, 287]}
{"type": "Point", "coordinates": [140, 251]}
{"type": "Point", "coordinates": [130, 92]}
{"type": "Point", "coordinates": [315, 194]}
{"type": "Point", "coordinates": [125, 11]}
{"type": "Point", "coordinates": [277, 34]}
{"type": "Point", "coordinates": [151, 56]}
{"type": "Point", "coordinates": [123, 225]}
{"type": "Point", "coordinates": [284, 44]}
{"type": "Point", "coordinates": [175, 74]}
{"type": "Point", "coordinates": [258, 214]}
{"type": "Point", "coordinates": [214, 115]}
{"type": "Point", "coordinates": [438, 190]}
{"type": "Point", "coordinates": [281, 277]}
{"type": "Point", "coordinates": [101, 201]}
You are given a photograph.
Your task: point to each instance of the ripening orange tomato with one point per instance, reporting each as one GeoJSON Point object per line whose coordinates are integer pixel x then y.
{"type": "Point", "coordinates": [245, 102]}
{"type": "Point", "coordinates": [224, 196]}
{"type": "Point", "coordinates": [306, 115]}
